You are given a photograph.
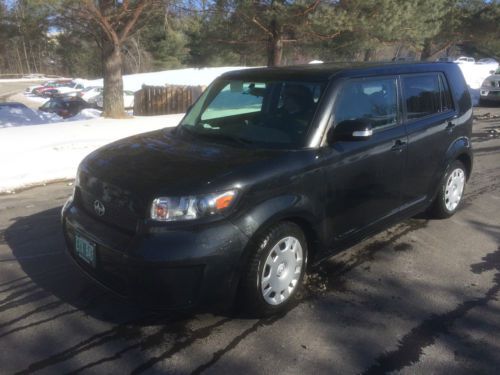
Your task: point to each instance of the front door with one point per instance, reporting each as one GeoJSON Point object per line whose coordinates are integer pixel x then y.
{"type": "Point", "coordinates": [364, 176]}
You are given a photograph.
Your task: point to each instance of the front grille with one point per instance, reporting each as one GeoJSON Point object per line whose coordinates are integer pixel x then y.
{"type": "Point", "coordinates": [121, 210]}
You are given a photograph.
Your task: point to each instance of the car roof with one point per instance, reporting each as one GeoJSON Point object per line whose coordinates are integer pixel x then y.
{"type": "Point", "coordinates": [66, 99]}
{"type": "Point", "coordinates": [13, 105]}
{"type": "Point", "coordinates": [321, 72]}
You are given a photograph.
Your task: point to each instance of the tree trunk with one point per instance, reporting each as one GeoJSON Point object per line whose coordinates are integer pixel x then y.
{"type": "Point", "coordinates": [369, 53]}
{"type": "Point", "coordinates": [427, 51]}
{"type": "Point", "coordinates": [274, 44]}
{"type": "Point", "coordinates": [274, 51]}
{"type": "Point", "coordinates": [113, 82]}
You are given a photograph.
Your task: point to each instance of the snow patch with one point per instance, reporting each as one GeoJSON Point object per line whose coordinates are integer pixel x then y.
{"type": "Point", "coordinates": [22, 116]}
{"type": "Point", "coordinates": [188, 77]}
{"type": "Point", "coordinates": [86, 114]}
{"type": "Point", "coordinates": [34, 154]}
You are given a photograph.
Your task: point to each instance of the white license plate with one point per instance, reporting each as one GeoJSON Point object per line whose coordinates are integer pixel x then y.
{"type": "Point", "coordinates": [85, 250]}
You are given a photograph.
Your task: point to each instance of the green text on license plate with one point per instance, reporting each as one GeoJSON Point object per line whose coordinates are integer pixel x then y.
{"type": "Point", "coordinates": [85, 250]}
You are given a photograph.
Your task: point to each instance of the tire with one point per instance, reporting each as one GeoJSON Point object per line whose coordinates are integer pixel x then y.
{"type": "Point", "coordinates": [450, 192]}
{"type": "Point", "coordinates": [270, 285]}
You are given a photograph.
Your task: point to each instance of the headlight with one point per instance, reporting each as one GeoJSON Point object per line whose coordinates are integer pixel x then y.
{"type": "Point", "coordinates": [191, 207]}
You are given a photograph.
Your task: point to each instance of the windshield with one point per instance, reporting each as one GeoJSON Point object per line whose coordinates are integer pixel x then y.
{"type": "Point", "coordinates": [265, 113]}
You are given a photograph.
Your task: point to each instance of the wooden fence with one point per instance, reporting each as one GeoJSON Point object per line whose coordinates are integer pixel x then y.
{"type": "Point", "coordinates": [163, 100]}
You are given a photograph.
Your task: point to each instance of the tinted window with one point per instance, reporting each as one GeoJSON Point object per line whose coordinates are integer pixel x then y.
{"type": "Point", "coordinates": [271, 113]}
{"type": "Point", "coordinates": [422, 95]}
{"type": "Point", "coordinates": [446, 103]}
{"type": "Point", "coordinates": [374, 100]}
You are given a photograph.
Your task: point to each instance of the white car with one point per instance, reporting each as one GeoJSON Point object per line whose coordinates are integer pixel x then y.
{"type": "Point", "coordinates": [490, 89]}
{"type": "Point", "coordinates": [487, 61]}
{"type": "Point", "coordinates": [128, 99]}
{"type": "Point", "coordinates": [90, 93]}
{"type": "Point", "coordinates": [70, 90]}
{"type": "Point", "coordinates": [465, 60]}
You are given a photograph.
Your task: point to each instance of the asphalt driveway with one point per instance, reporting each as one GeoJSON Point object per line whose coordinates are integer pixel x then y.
{"type": "Point", "coordinates": [421, 297]}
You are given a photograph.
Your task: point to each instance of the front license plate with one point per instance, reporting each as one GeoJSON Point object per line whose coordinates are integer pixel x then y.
{"type": "Point", "coordinates": [85, 250]}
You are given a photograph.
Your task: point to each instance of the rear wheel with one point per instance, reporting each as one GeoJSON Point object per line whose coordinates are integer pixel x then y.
{"type": "Point", "coordinates": [275, 270]}
{"type": "Point", "coordinates": [450, 192]}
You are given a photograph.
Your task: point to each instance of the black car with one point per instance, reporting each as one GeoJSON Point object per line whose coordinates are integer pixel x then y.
{"type": "Point", "coordinates": [270, 171]}
{"type": "Point", "coordinates": [65, 106]}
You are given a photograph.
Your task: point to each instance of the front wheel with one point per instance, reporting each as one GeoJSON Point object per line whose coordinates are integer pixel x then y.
{"type": "Point", "coordinates": [450, 192]}
{"type": "Point", "coordinates": [275, 270]}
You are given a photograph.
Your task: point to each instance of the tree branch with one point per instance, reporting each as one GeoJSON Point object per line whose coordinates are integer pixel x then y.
{"type": "Point", "coordinates": [309, 9]}
{"type": "Point", "coordinates": [102, 21]}
{"type": "Point", "coordinates": [135, 16]}
{"type": "Point", "coordinates": [256, 22]}
{"type": "Point", "coordinates": [324, 36]}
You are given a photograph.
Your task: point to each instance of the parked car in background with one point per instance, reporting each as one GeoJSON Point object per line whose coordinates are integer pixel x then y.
{"type": "Point", "coordinates": [465, 60]}
{"type": "Point", "coordinates": [50, 86]}
{"type": "Point", "coordinates": [270, 171]}
{"type": "Point", "coordinates": [490, 89]}
{"type": "Point", "coordinates": [32, 89]}
{"type": "Point", "coordinates": [65, 106]}
{"type": "Point", "coordinates": [90, 93]}
{"type": "Point", "coordinates": [14, 113]}
{"type": "Point", "coordinates": [128, 100]}
{"type": "Point", "coordinates": [487, 61]}
{"type": "Point", "coordinates": [70, 88]}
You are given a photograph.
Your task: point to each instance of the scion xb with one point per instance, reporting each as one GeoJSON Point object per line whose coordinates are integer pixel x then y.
{"type": "Point", "coordinates": [270, 172]}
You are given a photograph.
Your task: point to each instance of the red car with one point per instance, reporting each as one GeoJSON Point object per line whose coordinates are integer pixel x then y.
{"type": "Point", "coordinates": [51, 85]}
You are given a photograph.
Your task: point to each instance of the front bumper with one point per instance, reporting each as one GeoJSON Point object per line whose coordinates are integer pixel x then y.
{"type": "Point", "coordinates": [195, 265]}
{"type": "Point", "coordinates": [490, 95]}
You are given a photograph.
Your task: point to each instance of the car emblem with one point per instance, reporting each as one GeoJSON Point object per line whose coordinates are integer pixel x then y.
{"type": "Point", "coordinates": [99, 208]}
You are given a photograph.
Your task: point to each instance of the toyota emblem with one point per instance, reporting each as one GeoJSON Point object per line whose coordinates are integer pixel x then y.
{"type": "Point", "coordinates": [99, 208]}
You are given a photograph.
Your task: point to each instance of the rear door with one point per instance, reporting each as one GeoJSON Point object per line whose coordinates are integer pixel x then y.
{"type": "Point", "coordinates": [429, 118]}
{"type": "Point", "coordinates": [364, 177]}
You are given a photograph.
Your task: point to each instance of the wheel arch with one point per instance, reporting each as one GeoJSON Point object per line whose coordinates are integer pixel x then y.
{"type": "Point", "coordinates": [466, 160]}
{"type": "Point", "coordinates": [267, 214]}
{"type": "Point", "coordinates": [460, 150]}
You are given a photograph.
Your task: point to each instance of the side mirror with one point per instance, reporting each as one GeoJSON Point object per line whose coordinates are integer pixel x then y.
{"type": "Point", "coordinates": [492, 71]}
{"type": "Point", "coordinates": [351, 130]}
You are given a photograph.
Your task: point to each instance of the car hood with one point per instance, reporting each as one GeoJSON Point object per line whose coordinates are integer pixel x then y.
{"type": "Point", "coordinates": [487, 80]}
{"type": "Point", "coordinates": [165, 163]}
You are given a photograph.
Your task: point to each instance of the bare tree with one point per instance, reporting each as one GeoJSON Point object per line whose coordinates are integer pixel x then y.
{"type": "Point", "coordinates": [111, 22]}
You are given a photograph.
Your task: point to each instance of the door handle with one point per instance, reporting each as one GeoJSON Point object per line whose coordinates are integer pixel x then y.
{"type": "Point", "coordinates": [451, 123]}
{"type": "Point", "coordinates": [398, 146]}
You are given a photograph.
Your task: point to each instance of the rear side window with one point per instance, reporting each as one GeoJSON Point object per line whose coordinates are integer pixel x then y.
{"type": "Point", "coordinates": [446, 103]}
{"type": "Point", "coordinates": [425, 95]}
{"type": "Point", "coordinates": [374, 100]}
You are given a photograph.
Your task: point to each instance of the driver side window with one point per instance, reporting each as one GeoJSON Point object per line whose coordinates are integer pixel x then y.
{"type": "Point", "coordinates": [374, 100]}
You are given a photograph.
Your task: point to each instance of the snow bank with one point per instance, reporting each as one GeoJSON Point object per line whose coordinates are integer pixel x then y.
{"type": "Point", "coordinates": [34, 154]}
{"type": "Point", "coordinates": [22, 116]}
{"type": "Point", "coordinates": [189, 77]}
{"type": "Point", "coordinates": [86, 114]}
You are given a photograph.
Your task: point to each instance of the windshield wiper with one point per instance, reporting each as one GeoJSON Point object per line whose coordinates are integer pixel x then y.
{"type": "Point", "coordinates": [218, 136]}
